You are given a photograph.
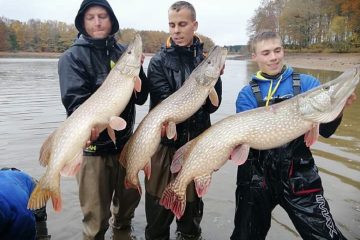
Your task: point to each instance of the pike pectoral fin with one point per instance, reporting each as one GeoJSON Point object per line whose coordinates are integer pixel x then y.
{"type": "Point", "coordinates": [202, 184]}
{"type": "Point", "coordinates": [171, 130]}
{"type": "Point", "coordinates": [117, 123]}
{"type": "Point", "coordinates": [129, 185]}
{"type": "Point", "coordinates": [138, 83]}
{"type": "Point", "coordinates": [178, 158]}
{"type": "Point", "coordinates": [312, 135]}
{"type": "Point", "coordinates": [147, 170]}
{"type": "Point", "coordinates": [111, 134]}
{"type": "Point", "coordinates": [45, 150]}
{"type": "Point", "coordinates": [214, 98]}
{"type": "Point", "coordinates": [240, 154]}
{"type": "Point", "coordinates": [72, 168]}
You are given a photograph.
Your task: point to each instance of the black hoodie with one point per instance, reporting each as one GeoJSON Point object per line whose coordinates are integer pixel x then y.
{"type": "Point", "coordinates": [79, 19]}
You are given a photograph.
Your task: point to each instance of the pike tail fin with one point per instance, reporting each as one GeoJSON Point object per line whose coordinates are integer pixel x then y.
{"type": "Point", "coordinates": [173, 201]}
{"type": "Point", "coordinates": [41, 195]}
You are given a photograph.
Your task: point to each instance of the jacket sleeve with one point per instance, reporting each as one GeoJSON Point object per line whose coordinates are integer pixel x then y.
{"type": "Point", "coordinates": [74, 81]}
{"type": "Point", "coordinates": [159, 85]}
{"type": "Point", "coordinates": [141, 96]}
{"type": "Point", "coordinates": [245, 100]}
{"type": "Point", "coordinates": [209, 107]}
{"type": "Point", "coordinates": [328, 129]}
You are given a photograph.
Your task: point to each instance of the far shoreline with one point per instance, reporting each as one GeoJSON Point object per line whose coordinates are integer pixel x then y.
{"type": "Point", "coordinates": [320, 61]}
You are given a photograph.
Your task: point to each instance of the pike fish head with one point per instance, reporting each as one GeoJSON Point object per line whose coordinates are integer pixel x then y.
{"type": "Point", "coordinates": [324, 103]}
{"type": "Point", "coordinates": [131, 58]}
{"type": "Point", "coordinates": [208, 72]}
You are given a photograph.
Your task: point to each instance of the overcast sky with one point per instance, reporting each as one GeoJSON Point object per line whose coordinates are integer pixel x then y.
{"type": "Point", "coordinates": [224, 21]}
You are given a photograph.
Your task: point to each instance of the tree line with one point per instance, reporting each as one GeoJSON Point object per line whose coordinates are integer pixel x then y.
{"type": "Point", "coordinates": [311, 24]}
{"type": "Point", "coordinates": [54, 36]}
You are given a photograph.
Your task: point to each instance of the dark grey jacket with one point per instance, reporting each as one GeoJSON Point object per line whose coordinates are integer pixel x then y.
{"type": "Point", "coordinates": [82, 69]}
{"type": "Point", "coordinates": [167, 71]}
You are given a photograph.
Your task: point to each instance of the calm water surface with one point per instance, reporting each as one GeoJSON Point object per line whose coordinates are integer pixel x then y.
{"type": "Point", "coordinates": [30, 108]}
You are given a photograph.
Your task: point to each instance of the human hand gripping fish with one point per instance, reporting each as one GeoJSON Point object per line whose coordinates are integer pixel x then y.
{"type": "Point", "coordinates": [233, 136]}
{"type": "Point", "coordinates": [61, 152]}
{"type": "Point", "coordinates": [175, 109]}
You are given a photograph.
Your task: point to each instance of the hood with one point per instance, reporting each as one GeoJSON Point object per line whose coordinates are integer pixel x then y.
{"type": "Point", "coordinates": [79, 19]}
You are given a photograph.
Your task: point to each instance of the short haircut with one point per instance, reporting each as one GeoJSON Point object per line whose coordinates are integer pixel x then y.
{"type": "Point", "coordinates": [177, 6]}
{"type": "Point", "coordinates": [261, 36]}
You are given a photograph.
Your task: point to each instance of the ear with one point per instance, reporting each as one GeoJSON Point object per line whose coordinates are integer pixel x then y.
{"type": "Point", "coordinates": [253, 56]}
{"type": "Point", "coordinates": [196, 25]}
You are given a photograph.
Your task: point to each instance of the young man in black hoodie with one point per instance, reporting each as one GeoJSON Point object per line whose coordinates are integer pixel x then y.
{"type": "Point", "coordinates": [82, 69]}
{"type": "Point", "coordinates": [167, 71]}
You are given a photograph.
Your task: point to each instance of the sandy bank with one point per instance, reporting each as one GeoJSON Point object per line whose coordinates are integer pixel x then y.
{"type": "Point", "coordinates": [329, 61]}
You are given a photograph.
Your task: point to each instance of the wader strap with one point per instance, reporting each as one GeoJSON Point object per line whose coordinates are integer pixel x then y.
{"type": "Point", "coordinates": [296, 83]}
{"type": "Point", "coordinates": [256, 90]}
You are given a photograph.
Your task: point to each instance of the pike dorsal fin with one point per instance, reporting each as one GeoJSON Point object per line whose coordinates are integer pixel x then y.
{"type": "Point", "coordinates": [214, 98]}
{"type": "Point", "coordinates": [45, 151]}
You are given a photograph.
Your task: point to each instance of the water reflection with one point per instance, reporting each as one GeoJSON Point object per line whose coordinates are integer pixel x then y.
{"type": "Point", "coordinates": [31, 108]}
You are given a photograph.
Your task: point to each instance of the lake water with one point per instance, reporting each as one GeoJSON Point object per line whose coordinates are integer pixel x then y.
{"type": "Point", "coordinates": [30, 108]}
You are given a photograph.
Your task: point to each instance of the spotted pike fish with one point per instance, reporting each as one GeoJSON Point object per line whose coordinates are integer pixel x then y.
{"type": "Point", "coordinates": [233, 136]}
{"type": "Point", "coordinates": [62, 151]}
{"type": "Point", "coordinates": [178, 107]}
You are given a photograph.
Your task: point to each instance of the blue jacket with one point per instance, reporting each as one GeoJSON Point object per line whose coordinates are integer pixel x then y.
{"type": "Point", "coordinates": [246, 99]}
{"type": "Point", "coordinates": [16, 221]}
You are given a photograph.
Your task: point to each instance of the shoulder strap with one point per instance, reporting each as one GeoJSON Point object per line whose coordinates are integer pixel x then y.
{"type": "Point", "coordinates": [296, 83]}
{"type": "Point", "coordinates": [256, 90]}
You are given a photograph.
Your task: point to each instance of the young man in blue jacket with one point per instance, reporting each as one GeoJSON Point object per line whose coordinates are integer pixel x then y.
{"type": "Point", "coordinates": [82, 69]}
{"type": "Point", "coordinates": [286, 175]}
{"type": "Point", "coordinates": [16, 221]}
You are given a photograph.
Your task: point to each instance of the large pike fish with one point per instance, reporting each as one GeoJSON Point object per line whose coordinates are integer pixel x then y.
{"type": "Point", "coordinates": [62, 151]}
{"type": "Point", "coordinates": [179, 106]}
{"type": "Point", "coordinates": [234, 135]}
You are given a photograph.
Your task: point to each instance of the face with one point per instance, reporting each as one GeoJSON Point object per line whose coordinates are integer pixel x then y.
{"type": "Point", "coordinates": [97, 22]}
{"type": "Point", "coordinates": [269, 56]}
{"type": "Point", "coordinates": [182, 27]}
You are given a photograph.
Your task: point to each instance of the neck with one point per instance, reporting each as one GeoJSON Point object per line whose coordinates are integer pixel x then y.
{"type": "Point", "coordinates": [265, 75]}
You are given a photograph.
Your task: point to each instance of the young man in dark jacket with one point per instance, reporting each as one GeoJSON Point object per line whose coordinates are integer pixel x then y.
{"type": "Point", "coordinates": [82, 69]}
{"type": "Point", "coordinates": [286, 175]}
{"type": "Point", "coordinates": [167, 71]}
